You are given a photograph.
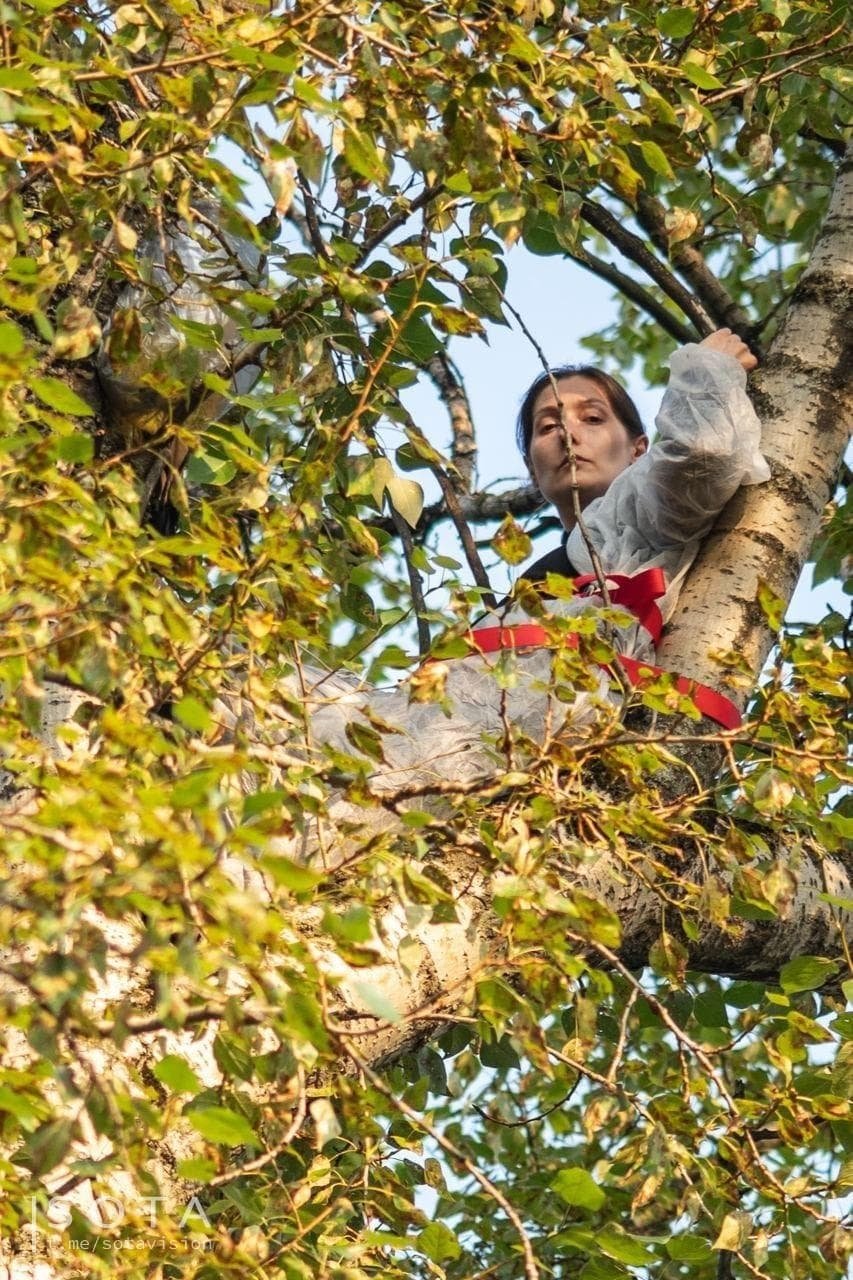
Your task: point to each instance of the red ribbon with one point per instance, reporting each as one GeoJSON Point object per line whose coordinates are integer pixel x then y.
{"type": "Point", "coordinates": [637, 595]}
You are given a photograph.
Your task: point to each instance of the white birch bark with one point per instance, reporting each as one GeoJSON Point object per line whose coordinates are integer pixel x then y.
{"type": "Point", "coordinates": [804, 397]}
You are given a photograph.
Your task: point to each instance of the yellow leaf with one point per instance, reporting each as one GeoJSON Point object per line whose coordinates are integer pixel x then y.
{"type": "Point", "coordinates": [734, 1232]}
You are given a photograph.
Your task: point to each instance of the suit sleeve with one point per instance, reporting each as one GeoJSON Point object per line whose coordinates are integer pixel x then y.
{"type": "Point", "coordinates": [707, 446]}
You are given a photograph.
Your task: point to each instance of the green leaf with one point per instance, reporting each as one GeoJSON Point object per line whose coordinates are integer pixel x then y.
{"type": "Point", "coordinates": [376, 1002]}
{"type": "Point", "coordinates": [303, 1018]}
{"type": "Point", "coordinates": [225, 1127]}
{"type": "Point", "coordinates": [11, 339]}
{"type": "Point", "coordinates": [192, 713]}
{"type": "Point", "coordinates": [197, 1169]}
{"type": "Point", "coordinates": [656, 158]}
{"type": "Point", "coordinates": [432, 1066]}
{"type": "Point", "coordinates": [75, 448]}
{"type": "Point", "coordinates": [406, 497]}
{"type": "Point", "coordinates": [289, 874]}
{"type": "Point", "coordinates": [700, 76]}
{"type": "Point", "coordinates": [362, 155]}
{"type": "Point", "coordinates": [47, 1147]}
{"type": "Point", "coordinates": [688, 1249]}
{"type": "Point", "coordinates": [232, 1056]}
{"type": "Point", "coordinates": [439, 1243]}
{"type": "Point", "coordinates": [354, 925]}
{"type": "Point", "coordinates": [417, 340]}
{"type": "Point", "coordinates": [617, 1244]}
{"type": "Point", "coordinates": [499, 1053]}
{"type": "Point", "coordinates": [177, 1074]}
{"type": "Point", "coordinates": [577, 1188]}
{"type": "Point", "coordinates": [709, 1008]}
{"type": "Point", "coordinates": [806, 973]}
{"type": "Point", "coordinates": [675, 23]}
{"type": "Point", "coordinates": [56, 394]}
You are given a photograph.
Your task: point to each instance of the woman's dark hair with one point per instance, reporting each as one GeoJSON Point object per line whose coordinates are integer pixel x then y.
{"type": "Point", "coordinates": [617, 397]}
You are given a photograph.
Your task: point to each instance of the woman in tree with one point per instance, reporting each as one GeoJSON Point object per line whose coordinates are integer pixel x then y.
{"type": "Point", "coordinates": [634, 517]}
{"type": "Point", "coordinates": [627, 506]}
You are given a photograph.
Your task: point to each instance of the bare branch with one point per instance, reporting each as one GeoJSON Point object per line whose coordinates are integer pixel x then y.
{"type": "Point", "coordinates": [313, 224]}
{"type": "Point", "coordinates": [472, 555]}
{"type": "Point", "coordinates": [463, 451]}
{"type": "Point", "coordinates": [687, 259]}
{"type": "Point", "coordinates": [608, 225]}
{"type": "Point", "coordinates": [481, 508]}
{"type": "Point", "coordinates": [632, 289]}
{"type": "Point", "coordinates": [415, 580]}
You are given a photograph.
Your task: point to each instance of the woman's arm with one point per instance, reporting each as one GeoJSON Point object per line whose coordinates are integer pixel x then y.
{"type": "Point", "coordinates": [708, 444]}
{"type": "Point", "coordinates": [708, 441]}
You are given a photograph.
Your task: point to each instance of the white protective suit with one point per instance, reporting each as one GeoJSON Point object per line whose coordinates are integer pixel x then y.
{"type": "Point", "coordinates": [655, 513]}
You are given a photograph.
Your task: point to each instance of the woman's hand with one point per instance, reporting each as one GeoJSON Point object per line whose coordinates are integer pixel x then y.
{"type": "Point", "coordinates": [730, 345]}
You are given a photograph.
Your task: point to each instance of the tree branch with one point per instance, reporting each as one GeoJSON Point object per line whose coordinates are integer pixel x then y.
{"type": "Point", "coordinates": [463, 451]}
{"type": "Point", "coordinates": [415, 580]}
{"type": "Point", "coordinates": [631, 288]}
{"type": "Point", "coordinates": [608, 225]}
{"type": "Point", "coordinates": [451, 501]}
{"type": "Point", "coordinates": [396, 220]}
{"type": "Point", "coordinates": [687, 259]}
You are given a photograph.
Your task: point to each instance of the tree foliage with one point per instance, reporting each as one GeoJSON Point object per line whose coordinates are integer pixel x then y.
{"type": "Point", "coordinates": [179, 539]}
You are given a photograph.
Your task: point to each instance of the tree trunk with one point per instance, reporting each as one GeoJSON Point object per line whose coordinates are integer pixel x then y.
{"type": "Point", "coordinates": [804, 397]}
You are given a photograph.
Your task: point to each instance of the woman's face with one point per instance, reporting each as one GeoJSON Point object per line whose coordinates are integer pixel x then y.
{"type": "Point", "coordinates": [603, 448]}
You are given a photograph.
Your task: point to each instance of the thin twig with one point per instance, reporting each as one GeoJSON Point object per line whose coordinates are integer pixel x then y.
{"type": "Point", "coordinates": [394, 221]}
{"type": "Point", "coordinates": [526, 1120]}
{"type": "Point", "coordinates": [768, 77]}
{"type": "Point", "coordinates": [472, 555]}
{"type": "Point", "coordinates": [595, 559]}
{"type": "Point", "coordinates": [415, 580]}
{"type": "Point", "coordinates": [616, 1060]}
{"type": "Point", "coordinates": [531, 1271]}
{"type": "Point", "coordinates": [704, 1060]}
{"type": "Point", "coordinates": [267, 1157]}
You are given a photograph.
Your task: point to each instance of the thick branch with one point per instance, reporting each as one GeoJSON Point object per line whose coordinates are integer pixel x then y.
{"type": "Point", "coordinates": [608, 225]}
{"type": "Point", "coordinates": [453, 954]}
{"type": "Point", "coordinates": [480, 508]}
{"type": "Point", "coordinates": [631, 288]}
{"type": "Point", "coordinates": [687, 259]}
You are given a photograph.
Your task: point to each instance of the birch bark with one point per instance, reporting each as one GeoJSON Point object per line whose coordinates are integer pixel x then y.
{"type": "Point", "coordinates": [804, 397]}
